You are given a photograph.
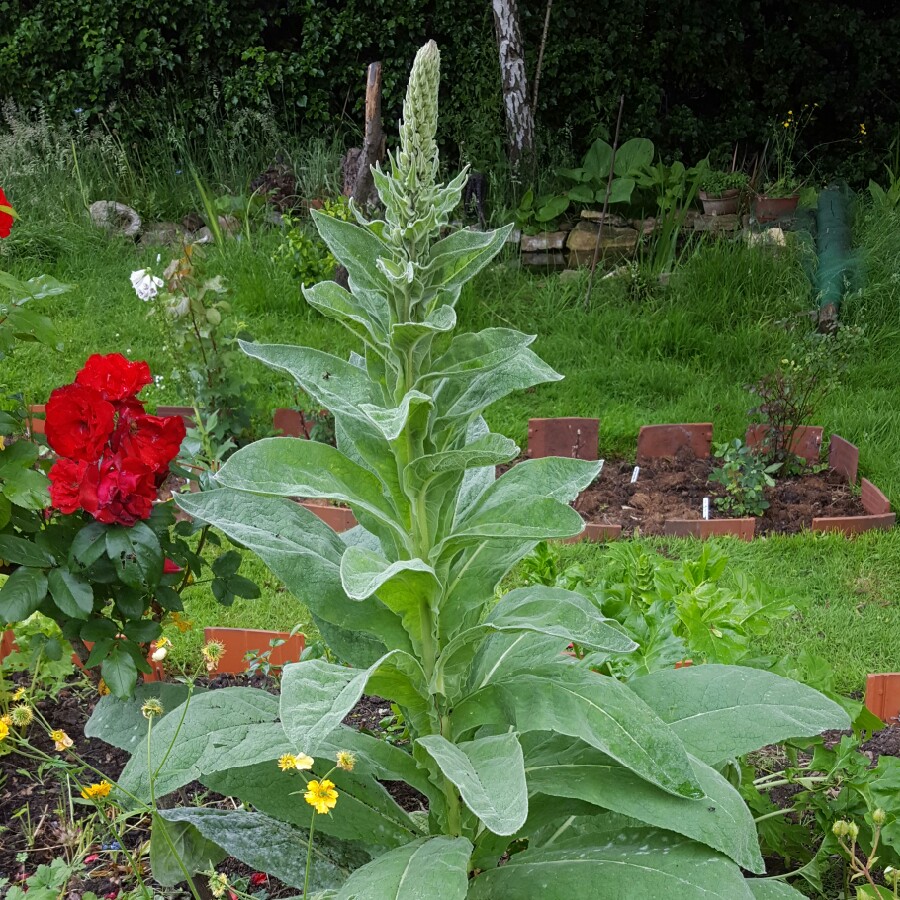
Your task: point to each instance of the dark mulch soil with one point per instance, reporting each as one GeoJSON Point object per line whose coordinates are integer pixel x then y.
{"type": "Point", "coordinates": [23, 785]}
{"type": "Point", "coordinates": [675, 488]}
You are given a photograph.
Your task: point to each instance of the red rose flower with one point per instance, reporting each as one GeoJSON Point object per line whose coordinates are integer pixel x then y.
{"type": "Point", "coordinates": [119, 491]}
{"type": "Point", "coordinates": [6, 219]}
{"type": "Point", "coordinates": [66, 479]}
{"type": "Point", "coordinates": [170, 567]}
{"type": "Point", "coordinates": [115, 377]}
{"type": "Point", "coordinates": [258, 879]}
{"type": "Point", "coordinates": [78, 422]}
{"type": "Point", "coordinates": [154, 440]}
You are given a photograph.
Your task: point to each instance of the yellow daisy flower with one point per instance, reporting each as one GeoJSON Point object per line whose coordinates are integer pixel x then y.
{"type": "Point", "coordinates": [321, 795]}
{"type": "Point", "coordinates": [299, 761]}
{"type": "Point", "coordinates": [61, 741]}
{"type": "Point", "coordinates": [96, 791]}
{"type": "Point", "coordinates": [4, 731]}
{"type": "Point", "coordinates": [18, 694]}
{"type": "Point", "coordinates": [212, 653]}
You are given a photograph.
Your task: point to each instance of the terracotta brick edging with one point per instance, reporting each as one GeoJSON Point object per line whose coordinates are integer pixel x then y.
{"type": "Point", "coordinates": [238, 642]}
{"type": "Point", "coordinates": [806, 442]}
{"type": "Point", "coordinates": [883, 695]}
{"type": "Point", "coordinates": [338, 518]}
{"type": "Point", "coordinates": [744, 529]}
{"type": "Point", "coordinates": [571, 437]}
{"type": "Point", "coordinates": [665, 441]}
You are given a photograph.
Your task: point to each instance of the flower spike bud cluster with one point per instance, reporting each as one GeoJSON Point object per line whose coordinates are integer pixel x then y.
{"type": "Point", "coordinates": [418, 156]}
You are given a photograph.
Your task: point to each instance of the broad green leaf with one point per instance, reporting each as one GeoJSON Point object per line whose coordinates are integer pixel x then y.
{"type": "Point", "coordinates": [602, 711]}
{"type": "Point", "coordinates": [552, 476]}
{"type": "Point", "coordinates": [17, 455]}
{"type": "Point", "coordinates": [481, 351]}
{"type": "Point", "coordinates": [356, 248]}
{"type": "Point", "coordinates": [22, 552]}
{"type": "Point", "coordinates": [629, 864]}
{"type": "Point", "coordinates": [633, 156]}
{"type": "Point", "coordinates": [22, 594]}
{"type": "Point", "coordinates": [334, 383]}
{"type": "Point", "coordinates": [270, 846]}
{"type": "Point", "coordinates": [411, 415]}
{"type": "Point", "coordinates": [367, 812]}
{"type": "Point", "coordinates": [565, 614]}
{"type": "Point", "coordinates": [71, 593]}
{"type": "Point", "coordinates": [364, 313]}
{"type": "Point", "coordinates": [620, 191]}
{"type": "Point", "coordinates": [221, 729]}
{"type": "Point", "coordinates": [119, 671]}
{"type": "Point", "coordinates": [464, 396]}
{"type": "Point", "coordinates": [429, 867]}
{"type": "Point", "coordinates": [5, 510]}
{"type": "Point", "coordinates": [581, 193]}
{"type": "Point", "coordinates": [88, 546]}
{"type": "Point", "coordinates": [176, 846]}
{"type": "Point", "coordinates": [28, 489]}
{"type": "Point", "coordinates": [403, 587]}
{"type": "Point", "coordinates": [488, 450]}
{"type": "Point", "coordinates": [456, 259]}
{"type": "Point", "coordinates": [598, 160]}
{"type": "Point", "coordinates": [317, 695]}
{"type": "Point", "coordinates": [769, 889]}
{"type": "Point", "coordinates": [559, 767]}
{"type": "Point", "coordinates": [722, 712]}
{"type": "Point", "coordinates": [305, 554]}
{"type": "Point", "coordinates": [136, 555]}
{"type": "Point", "coordinates": [286, 467]}
{"type": "Point", "coordinates": [408, 335]}
{"type": "Point", "coordinates": [489, 774]}
{"type": "Point", "coordinates": [552, 209]}
{"type": "Point", "coordinates": [39, 287]}
{"type": "Point", "coordinates": [121, 723]}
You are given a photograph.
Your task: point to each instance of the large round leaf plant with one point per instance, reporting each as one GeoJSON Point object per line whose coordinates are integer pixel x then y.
{"type": "Point", "coordinates": [537, 776]}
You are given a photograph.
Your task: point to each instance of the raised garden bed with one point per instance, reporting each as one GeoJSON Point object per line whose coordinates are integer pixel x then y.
{"type": "Point", "coordinates": [666, 495]}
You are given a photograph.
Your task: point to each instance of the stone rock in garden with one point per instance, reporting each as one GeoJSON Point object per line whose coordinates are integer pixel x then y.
{"type": "Point", "coordinates": [229, 224]}
{"type": "Point", "coordinates": [614, 242]}
{"type": "Point", "coordinates": [116, 218]}
{"type": "Point", "coordinates": [203, 236]}
{"type": "Point", "coordinates": [568, 275]}
{"type": "Point", "coordinates": [770, 237]}
{"type": "Point", "coordinates": [546, 240]}
{"type": "Point", "coordinates": [550, 259]}
{"type": "Point", "coordinates": [596, 215]}
{"type": "Point", "coordinates": [192, 222]}
{"type": "Point", "coordinates": [729, 222]}
{"type": "Point", "coordinates": [644, 226]}
{"type": "Point", "coordinates": [161, 234]}
{"type": "Point", "coordinates": [515, 236]}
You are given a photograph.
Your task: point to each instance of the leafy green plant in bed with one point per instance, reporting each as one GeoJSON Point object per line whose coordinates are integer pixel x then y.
{"type": "Point", "coordinates": [745, 475]}
{"type": "Point", "coordinates": [614, 788]}
{"type": "Point", "coordinates": [716, 182]}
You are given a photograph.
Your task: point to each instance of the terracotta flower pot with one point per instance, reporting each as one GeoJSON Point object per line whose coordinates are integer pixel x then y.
{"type": "Point", "coordinates": [768, 209]}
{"type": "Point", "coordinates": [238, 642]}
{"type": "Point", "coordinates": [724, 204]}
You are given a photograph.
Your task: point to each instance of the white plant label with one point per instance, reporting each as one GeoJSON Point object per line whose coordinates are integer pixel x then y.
{"type": "Point", "coordinates": [706, 507]}
{"type": "Point", "coordinates": [635, 473]}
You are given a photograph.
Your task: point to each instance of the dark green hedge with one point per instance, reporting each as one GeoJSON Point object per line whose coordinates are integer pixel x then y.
{"type": "Point", "coordinates": [697, 74]}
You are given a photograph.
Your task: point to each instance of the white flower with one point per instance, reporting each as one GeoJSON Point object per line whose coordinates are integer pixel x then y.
{"type": "Point", "coordinates": [145, 285]}
{"type": "Point", "coordinates": [160, 654]}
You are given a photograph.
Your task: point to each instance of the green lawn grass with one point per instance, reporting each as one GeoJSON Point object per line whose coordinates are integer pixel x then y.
{"type": "Point", "coordinates": [682, 354]}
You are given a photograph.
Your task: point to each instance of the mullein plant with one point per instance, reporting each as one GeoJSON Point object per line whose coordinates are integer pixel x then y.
{"type": "Point", "coordinates": [578, 783]}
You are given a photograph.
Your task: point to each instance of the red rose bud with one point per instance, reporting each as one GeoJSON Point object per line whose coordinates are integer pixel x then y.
{"type": "Point", "coordinates": [170, 567]}
{"type": "Point", "coordinates": [78, 422]}
{"type": "Point", "coordinates": [258, 879]}
{"type": "Point", "coordinates": [114, 376]}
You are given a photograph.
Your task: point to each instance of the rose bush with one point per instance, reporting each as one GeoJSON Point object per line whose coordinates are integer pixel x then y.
{"type": "Point", "coordinates": [106, 560]}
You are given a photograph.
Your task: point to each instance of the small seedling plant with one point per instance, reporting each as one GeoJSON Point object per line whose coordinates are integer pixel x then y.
{"type": "Point", "coordinates": [745, 477]}
{"type": "Point", "coordinates": [613, 786]}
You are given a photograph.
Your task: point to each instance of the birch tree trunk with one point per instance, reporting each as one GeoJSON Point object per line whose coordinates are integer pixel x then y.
{"type": "Point", "coordinates": [517, 109]}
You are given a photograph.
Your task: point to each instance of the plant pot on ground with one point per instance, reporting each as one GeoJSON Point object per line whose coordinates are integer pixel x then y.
{"type": "Point", "coordinates": [769, 208]}
{"type": "Point", "coordinates": [720, 192]}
